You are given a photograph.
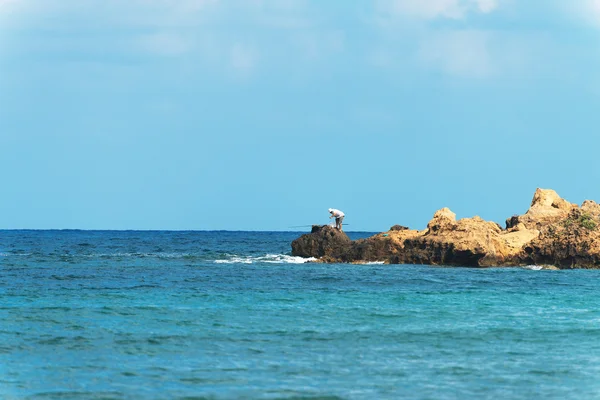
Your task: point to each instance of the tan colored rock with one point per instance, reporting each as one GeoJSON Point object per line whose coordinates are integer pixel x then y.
{"type": "Point", "coordinates": [517, 239]}
{"type": "Point", "coordinates": [520, 227]}
{"type": "Point", "coordinates": [545, 198]}
{"type": "Point", "coordinates": [547, 207]}
{"type": "Point", "coordinates": [442, 219]}
{"type": "Point", "coordinates": [573, 242]}
{"type": "Point", "coordinates": [383, 246]}
{"type": "Point", "coordinates": [553, 232]}
{"type": "Point", "coordinates": [590, 207]}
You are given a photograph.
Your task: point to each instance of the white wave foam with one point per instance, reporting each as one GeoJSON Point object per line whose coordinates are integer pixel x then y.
{"type": "Point", "coordinates": [534, 267]}
{"type": "Point", "coordinates": [269, 258]}
{"type": "Point", "coordinates": [235, 260]}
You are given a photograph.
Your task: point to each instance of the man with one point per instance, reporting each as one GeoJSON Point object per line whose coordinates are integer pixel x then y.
{"type": "Point", "coordinates": [339, 217]}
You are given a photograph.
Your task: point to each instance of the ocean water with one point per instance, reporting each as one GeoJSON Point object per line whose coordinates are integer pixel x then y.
{"type": "Point", "coordinates": [231, 315]}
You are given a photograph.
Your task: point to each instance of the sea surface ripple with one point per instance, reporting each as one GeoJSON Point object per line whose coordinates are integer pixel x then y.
{"type": "Point", "coordinates": [231, 315]}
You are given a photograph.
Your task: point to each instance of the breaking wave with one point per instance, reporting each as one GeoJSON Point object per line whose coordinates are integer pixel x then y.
{"type": "Point", "coordinates": [269, 258]}
{"type": "Point", "coordinates": [534, 267]}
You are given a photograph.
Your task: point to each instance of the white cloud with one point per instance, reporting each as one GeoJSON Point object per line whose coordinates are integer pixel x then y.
{"type": "Point", "coordinates": [271, 34]}
{"type": "Point", "coordinates": [408, 34]}
{"type": "Point", "coordinates": [472, 54]}
{"type": "Point", "coordinates": [593, 6]}
{"type": "Point", "coordinates": [459, 53]}
{"type": "Point", "coordinates": [431, 9]}
{"type": "Point", "coordinates": [487, 6]}
{"type": "Point", "coordinates": [163, 13]}
{"type": "Point", "coordinates": [579, 11]}
{"type": "Point", "coordinates": [425, 9]}
{"type": "Point", "coordinates": [591, 11]}
{"type": "Point", "coordinates": [8, 5]}
{"type": "Point", "coordinates": [182, 5]}
{"type": "Point", "coordinates": [277, 14]}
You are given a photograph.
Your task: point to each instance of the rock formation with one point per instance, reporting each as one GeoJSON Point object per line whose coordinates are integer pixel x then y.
{"type": "Point", "coordinates": [552, 232]}
{"type": "Point", "coordinates": [323, 242]}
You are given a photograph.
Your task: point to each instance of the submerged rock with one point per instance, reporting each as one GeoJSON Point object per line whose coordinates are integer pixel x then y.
{"type": "Point", "coordinates": [551, 232]}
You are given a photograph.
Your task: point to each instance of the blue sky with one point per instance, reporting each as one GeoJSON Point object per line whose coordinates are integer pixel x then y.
{"type": "Point", "coordinates": [262, 114]}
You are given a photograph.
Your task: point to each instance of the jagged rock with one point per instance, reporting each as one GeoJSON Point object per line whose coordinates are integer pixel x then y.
{"type": "Point", "coordinates": [573, 242]}
{"type": "Point", "coordinates": [376, 248]}
{"type": "Point", "coordinates": [591, 207]}
{"type": "Point", "coordinates": [468, 242]}
{"type": "Point", "coordinates": [442, 219]}
{"type": "Point", "coordinates": [398, 228]}
{"type": "Point", "coordinates": [512, 222]}
{"type": "Point", "coordinates": [547, 207]}
{"type": "Point", "coordinates": [323, 241]}
{"type": "Point", "coordinates": [551, 232]}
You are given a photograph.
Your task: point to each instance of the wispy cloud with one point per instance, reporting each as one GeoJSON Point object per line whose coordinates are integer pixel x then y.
{"type": "Point", "coordinates": [486, 6]}
{"type": "Point", "coordinates": [247, 37]}
{"type": "Point", "coordinates": [591, 11]}
{"type": "Point", "coordinates": [583, 13]}
{"type": "Point", "coordinates": [187, 5]}
{"type": "Point", "coordinates": [430, 9]}
{"type": "Point", "coordinates": [164, 5]}
{"type": "Point", "coordinates": [460, 53]}
{"type": "Point", "coordinates": [242, 36]}
{"type": "Point", "coordinates": [410, 27]}
{"type": "Point", "coordinates": [165, 44]}
{"type": "Point", "coordinates": [8, 5]}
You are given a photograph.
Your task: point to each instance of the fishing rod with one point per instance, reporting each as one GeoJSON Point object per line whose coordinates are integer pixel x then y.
{"type": "Point", "coordinates": [308, 226]}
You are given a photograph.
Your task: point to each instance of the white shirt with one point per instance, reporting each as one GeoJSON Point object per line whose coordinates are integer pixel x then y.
{"type": "Point", "coordinates": [336, 213]}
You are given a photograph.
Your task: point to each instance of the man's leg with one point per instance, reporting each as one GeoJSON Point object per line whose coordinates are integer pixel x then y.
{"type": "Point", "coordinates": [341, 220]}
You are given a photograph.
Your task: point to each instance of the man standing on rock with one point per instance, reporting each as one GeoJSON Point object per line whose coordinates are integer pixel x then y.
{"type": "Point", "coordinates": [339, 217]}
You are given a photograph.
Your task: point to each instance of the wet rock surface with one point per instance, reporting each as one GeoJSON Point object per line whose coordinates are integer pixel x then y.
{"type": "Point", "coordinates": [552, 232]}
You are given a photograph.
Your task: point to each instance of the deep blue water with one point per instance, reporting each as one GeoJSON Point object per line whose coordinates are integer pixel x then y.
{"type": "Point", "coordinates": [230, 315]}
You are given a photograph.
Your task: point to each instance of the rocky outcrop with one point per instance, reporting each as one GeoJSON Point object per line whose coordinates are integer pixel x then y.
{"type": "Point", "coordinates": [552, 231]}
{"type": "Point", "coordinates": [573, 242]}
{"type": "Point", "coordinates": [547, 207]}
{"type": "Point", "coordinates": [323, 241]}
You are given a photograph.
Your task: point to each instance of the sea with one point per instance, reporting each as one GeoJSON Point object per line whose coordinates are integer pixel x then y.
{"type": "Point", "coordinates": [232, 315]}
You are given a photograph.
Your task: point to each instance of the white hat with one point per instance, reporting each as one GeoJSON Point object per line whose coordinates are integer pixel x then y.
{"type": "Point", "coordinates": [330, 210]}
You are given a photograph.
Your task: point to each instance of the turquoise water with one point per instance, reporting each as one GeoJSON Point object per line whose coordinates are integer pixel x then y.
{"type": "Point", "coordinates": [230, 315]}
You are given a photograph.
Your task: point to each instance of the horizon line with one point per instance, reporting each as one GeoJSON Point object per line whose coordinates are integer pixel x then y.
{"type": "Point", "coordinates": [148, 230]}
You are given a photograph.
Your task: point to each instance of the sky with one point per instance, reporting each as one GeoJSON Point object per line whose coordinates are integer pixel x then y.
{"type": "Point", "coordinates": [262, 114]}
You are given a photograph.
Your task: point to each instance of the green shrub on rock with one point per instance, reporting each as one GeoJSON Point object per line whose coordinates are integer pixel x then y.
{"type": "Point", "coordinates": [587, 221]}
